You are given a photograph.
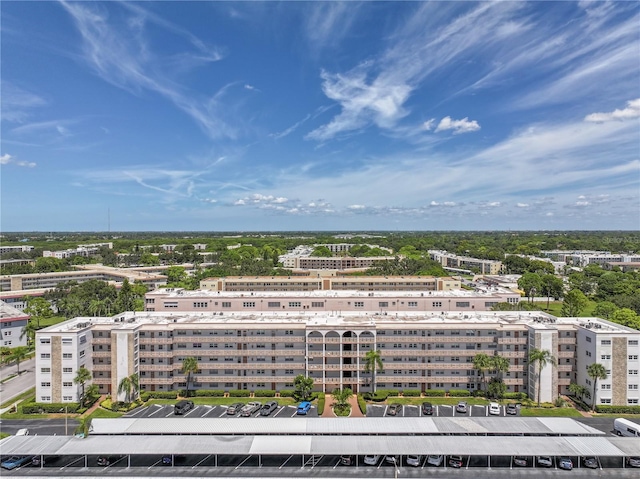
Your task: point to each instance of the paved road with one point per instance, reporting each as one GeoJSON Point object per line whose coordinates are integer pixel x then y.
{"type": "Point", "coordinates": [42, 427]}
{"type": "Point", "coordinates": [19, 384]}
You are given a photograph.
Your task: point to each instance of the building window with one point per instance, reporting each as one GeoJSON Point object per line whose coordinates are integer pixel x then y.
{"type": "Point", "coordinates": [317, 304]}
{"type": "Point", "coordinates": [45, 370]}
{"type": "Point", "coordinates": [605, 342]}
{"type": "Point", "coordinates": [200, 304]}
{"type": "Point", "coordinates": [67, 356]}
{"type": "Point", "coordinates": [632, 401]}
{"type": "Point", "coordinates": [248, 304]}
{"type": "Point", "coordinates": [383, 304]}
{"type": "Point", "coordinates": [172, 304]}
{"type": "Point", "coordinates": [67, 370]}
{"type": "Point", "coordinates": [67, 384]}
{"type": "Point", "coordinates": [45, 384]}
{"type": "Point", "coordinates": [605, 356]}
{"type": "Point", "coordinates": [273, 304]}
{"type": "Point", "coordinates": [633, 386]}
{"type": "Point", "coordinates": [462, 304]}
{"type": "Point", "coordinates": [437, 304]}
{"type": "Point", "coordinates": [358, 304]}
{"type": "Point", "coordinates": [226, 304]}
{"type": "Point", "coordinates": [295, 304]}
{"type": "Point", "coordinates": [605, 386]}
{"type": "Point", "coordinates": [412, 304]}
{"type": "Point", "coordinates": [605, 400]}
{"type": "Point", "coordinates": [45, 398]}
{"type": "Point", "coordinates": [633, 357]}
{"type": "Point", "coordinates": [633, 342]}
{"type": "Point", "coordinates": [633, 372]}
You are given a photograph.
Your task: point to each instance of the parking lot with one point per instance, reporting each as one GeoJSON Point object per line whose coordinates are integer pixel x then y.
{"type": "Point", "coordinates": [440, 410]}
{"type": "Point", "coordinates": [160, 411]}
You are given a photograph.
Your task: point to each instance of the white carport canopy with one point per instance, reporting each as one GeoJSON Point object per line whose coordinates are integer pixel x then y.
{"type": "Point", "coordinates": [344, 426]}
{"type": "Point", "coordinates": [321, 445]}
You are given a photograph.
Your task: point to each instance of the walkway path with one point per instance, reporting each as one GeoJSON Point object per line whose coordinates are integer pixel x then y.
{"type": "Point", "coordinates": [328, 410]}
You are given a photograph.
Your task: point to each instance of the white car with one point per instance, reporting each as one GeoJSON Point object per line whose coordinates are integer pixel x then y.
{"type": "Point", "coordinates": [545, 461]}
{"type": "Point", "coordinates": [494, 409]}
{"type": "Point", "coordinates": [435, 460]}
{"type": "Point", "coordinates": [22, 432]}
{"type": "Point", "coordinates": [371, 459]}
{"type": "Point", "coordinates": [414, 460]}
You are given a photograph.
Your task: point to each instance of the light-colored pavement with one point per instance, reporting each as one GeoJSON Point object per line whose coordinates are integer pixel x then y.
{"type": "Point", "coordinates": [19, 384]}
{"type": "Point", "coordinates": [8, 370]}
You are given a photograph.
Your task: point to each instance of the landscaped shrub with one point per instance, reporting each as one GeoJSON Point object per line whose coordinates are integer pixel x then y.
{"type": "Point", "coordinates": [163, 394]}
{"type": "Point", "coordinates": [286, 393]}
{"type": "Point", "coordinates": [218, 393]}
{"type": "Point", "coordinates": [362, 404]}
{"type": "Point", "coordinates": [391, 392]}
{"type": "Point", "coordinates": [517, 396]}
{"type": "Point", "coordinates": [459, 393]}
{"type": "Point", "coordinates": [618, 409]}
{"type": "Point", "coordinates": [411, 393]}
{"type": "Point", "coordinates": [264, 393]}
{"type": "Point", "coordinates": [50, 408]}
{"type": "Point", "coordinates": [239, 393]}
{"type": "Point", "coordinates": [144, 396]}
{"type": "Point", "coordinates": [321, 399]}
{"type": "Point", "coordinates": [435, 392]}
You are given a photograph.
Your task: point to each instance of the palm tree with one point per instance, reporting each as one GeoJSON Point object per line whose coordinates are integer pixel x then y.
{"type": "Point", "coordinates": [82, 376]}
{"type": "Point", "coordinates": [596, 371]}
{"type": "Point", "coordinates": [373, 364]}
{"type": "Point", "coordinates": [342, 396]}
{"type": "Point", "coordinates": [482, 364]}
{"type": "Point", "coordinates": [540, 357]}
{"type": "Point", "coordinates": [129, 386]}
{"type": "Point", "coordinates": [18, 354]}
{"type": "Point", "coordinates": [189, 365]}
{"type": "Point", "coordinates": [500, 365]}
{"type": "Point", "coordinates": [29, 330]}
{"type": "Point", "coordinates": [578, 390]}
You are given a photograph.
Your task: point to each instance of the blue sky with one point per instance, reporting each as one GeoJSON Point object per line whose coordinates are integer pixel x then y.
{"type": "Point", "coordinates": [224, 116]}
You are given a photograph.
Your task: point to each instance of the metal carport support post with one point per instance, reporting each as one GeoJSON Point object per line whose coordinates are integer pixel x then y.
{"type": "Point", "coordinates": [259, 460]}
{"type": "Point", "coordinates": [128, 461]}
{"type": "Point", "coordinates": [488, 459]}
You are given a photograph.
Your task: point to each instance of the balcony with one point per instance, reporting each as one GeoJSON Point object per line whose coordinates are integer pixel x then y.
{"type": "Point", "coordinates": [566, 340]}
{"type": "Point", "coordinates": [101, 354]}
{"type": "Point", "coordinates": [106, 340]}
{"type": "Point", "coordinates": [566, 354]}
{"type": "Point", "coordinates": [155, 340]}
{"type": "Point", "coordinates": [512, 340]}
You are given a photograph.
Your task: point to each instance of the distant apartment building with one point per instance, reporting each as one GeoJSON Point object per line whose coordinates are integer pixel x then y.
{"type": "Point", "coordinates": [294, 258]}
{"type": "Point", "coordinates": [584, 258]}
{"type": "Point", "coordinates": [17, 298]}
{"type": "Point", "coordinates": [251, 350]}
{"type": "Point", "coordinates": [12, 322]}
{"type": "Point", "coordinates": [333, 283]}
{"type": "Point", "coordinates": [464, 263]}
{"type": "Point", "coordinates": [70, 253]}
{"type": "Point", "coordinates": [16, 249]}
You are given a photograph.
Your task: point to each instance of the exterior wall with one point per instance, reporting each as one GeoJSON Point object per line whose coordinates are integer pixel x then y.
{"type": "Point", "coordinates": [51, 280]}
{"type": "Point", "coordinates": [544, 339]}
{"type": "Point", "coordinates": [11, 329]}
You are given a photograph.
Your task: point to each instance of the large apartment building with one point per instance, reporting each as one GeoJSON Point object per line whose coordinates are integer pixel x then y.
{"type": "Point", "coordinates": [12, 322]}
{"type": "Point", "coordinates": [337, 301]}
{"type": "Point", "coordinates": [330, 283]}
{"type": "Point", "coordinates": [465, 263]}
{"type": "Point", "coordinates": [266, 350]}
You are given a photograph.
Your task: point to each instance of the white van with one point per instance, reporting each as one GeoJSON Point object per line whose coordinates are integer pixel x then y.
{"type": "Point", "coordinates": [624, 427]}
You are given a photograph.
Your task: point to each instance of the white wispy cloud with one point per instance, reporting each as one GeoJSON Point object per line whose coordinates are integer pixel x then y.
{"type": "Point", "coordinates": [458, 126]}
{"type": "Point", "coordinates": [631, 111]}
{"type": "Point", "coordinates": [291, 129]}
{"type": "Point", "coordinates": [120, 56]}
{"type": "Point", "coordinates": [18, 104]}
{"type": "Point", "coordinates": [7, 159]}
{"type": "Point", "coordinates": [328, 22]}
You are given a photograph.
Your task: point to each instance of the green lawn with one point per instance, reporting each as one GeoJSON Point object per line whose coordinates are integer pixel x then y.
{"type": "Point", "coordinates": [19, 398]}
{"type": "Point", "coordinates": [104, 413]}
{"type": "Point", "coordinates": [555, 308]}
{"type": "Point", "coordinates": [549, 412]}
{"type": "Point", "coordinates": [46, 322]}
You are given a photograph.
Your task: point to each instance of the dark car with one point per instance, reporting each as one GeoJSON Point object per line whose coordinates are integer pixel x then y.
{"type": "Point", "coordinates": [106, 460]}
{"type": "Point", "coordinates": [394, 409]}
{"type": "Point", "coordinates": [346, 460]}
{"type": "Point", "coordinates": [182, 407]}
{"type": "Point", "coordinates": [455, 461]}
{"type": "Point", "coordinates": [427, 408]}
{"type": "Point", "coordinates": [167, 460]}
{"type": "Point", "coordinates": [520, 461]}
{"type": "Point", "coordinates": [590, 462]}
{"type": "Point", "coordinates": [235, 408]}
{"type": "Point", "coordinates": [268, 408]}
{"type": "Point", "coordinates": [512, 409]}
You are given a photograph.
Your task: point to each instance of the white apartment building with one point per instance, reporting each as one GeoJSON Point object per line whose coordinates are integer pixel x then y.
{"type": "Point", "coordinates": [15, 249]}
{"type": "Point", "coordinates": [12, 322]}
{"type": "Point", "coordinates": [253, 350]}
{"type": "Point", "coordinates": [337, 301]}
{"type": "Point", "coordinates": [465, 263]}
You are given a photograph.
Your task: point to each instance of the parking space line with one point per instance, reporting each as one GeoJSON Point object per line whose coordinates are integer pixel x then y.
{"type": "Point", "coordinates": [170, 414]}
{"type": "Point", "coordinates": [285, 462]}
{"type": "Point", "coordinates": [191, 411]}
{"type": "Point", "coordinates": [193, 467]}
{"type": "Point", "coordinates": [67, 465]}
{"type": "Point", "coordinates": [240, 465]}
{"type": "Point", "coordinates": [224, 413]}
{"type": "Point", "coordinates": [280, 409]}
{"type": "Point", "coordinates": [154, 464]}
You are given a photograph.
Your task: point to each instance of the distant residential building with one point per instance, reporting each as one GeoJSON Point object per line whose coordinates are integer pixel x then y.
{"type": "Point", "coordinates": [465, 263]}
{"type": "Point", "coordinates": [15, 249]}
{"type": "Point", "coordinates": [12, 322]}
{"type": "Point", "coordinates": [584, 258]}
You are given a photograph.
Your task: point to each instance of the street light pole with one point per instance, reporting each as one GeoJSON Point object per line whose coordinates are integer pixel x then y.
{"type": "Point", "coordinates": [66, 419]}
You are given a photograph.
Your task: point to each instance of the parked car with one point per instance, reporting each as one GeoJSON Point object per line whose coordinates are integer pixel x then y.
{"type": "Point", "coordinates": [235, 408]}
{"type": "Point", "coordinates": [520, 461]}
{"type": "Point", "coordinates": [462, 407]}
{"type": "Point", "coordinates": [427, 409]}
{"type": "Point", "coordinates": [371, 459]}
{"type": "Point", "coordinates": [455, 461]}
{"type": "Point", "coordinates": [268, 408]}
{"type": "Point", "coordinates": [37, 461]}
{"type": "Point", "coordinates": [304, 407]}
{"type": "Point", "coordinates": [346, 460]}
{"type": "Point", "coordinates": [106, 460]}
{"type": "Point", "coordinates": [494, 409]}
{"type": "Point", "coordinates": [512, 409]}
{"type": "Point", "coordinates": [182, 407]}
{"type": "Point", "coordinates": [413, 460]}
{"type": "Point", "coordinates": [250, 408]}
{"type": "Point", "coordinates": [392, 459]}
{"type": "Point", "coordinates": [545, 461]}
{"type": "Point", "coordinates": [633, 461]}
{"type": "Point", "coordinates": [167, 460]}
{"type": "Point", "coordinates": [565, 463]}
{"type": "Point", "coordinates": [394, 409]}
{"type": "Point", "coordinates": [15, 462]}
{"type": "Point", "coordinates": [435, 460]}
{"type": "Point", "coordinates": [22, 432]}
{"type": "Point", "coordinates": [590, 462]}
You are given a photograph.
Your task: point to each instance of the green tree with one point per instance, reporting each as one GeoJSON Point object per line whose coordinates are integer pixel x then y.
{"type": "Point", "coordinates": [126, 298]}
{"type": "Point", "coordinates": [342, 396]}
{"type": "Point", "coordinates": [596, 371]}
{"type": "Point", "coordinates": [540, 358]}
{"type": "Point", "coordinates": [574, 303]}
{"type": "Point", "coordinates": [38, 308]}
{"type": "Point", "coordinates": [497, 388]}
{"type": "Point", "coordinates": [322, 252]}
{"type": "Point", "coordinates": [149, 259]}
{"type": "Point", "coordinates": [500, 365]}
{"type": "Point", "coordinates": [82, 376]}
{"type": "Point", "coordinates": [578, 390]}
{"type": "Point", "coordinates": [482, 363]}
{"type": "Point", "coordinates": [92, 393]}
{"type": "Point", "coordinates": [626, 317]}
{"type": "Point", "coordinates": [130, 386]}
{"type": "Point", "coordinates": [605, 309]}
{"type": "Point", "coordinates": [303, 386]}
{"type": "Point", "coordinates": [189, 366]}
{"type": "Point", "coordinates": [530, 283]}
{"type": "Point", "coordinates": [17, 355]}
{"type": "Point", "coordinates": [552, 287]}
{"type": "Point", "coordinates": [29, 330]}
{"type": "Point", "coordinates": [373, 364]}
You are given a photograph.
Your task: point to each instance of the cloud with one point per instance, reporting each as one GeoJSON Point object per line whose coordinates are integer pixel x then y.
{"type": "Point", "coordinates": [18, 103]}
{"type": "Point", "coordinates": [120, 56]}
{"type": "Point", "coordinates": [522, 205]}
{"type": "Point", "coordinates": [250, 87]}
{"type": "Point", "coordinates": [328, 22]}
{"type": "Point", "coordinates": [8, 159]}
{"type": "Point", "coordinates": [631, 111]}
{"type": "Point", "coordinates": [291, 129]}
{"type": "Point", "coordinates": [458, 126]}
{"type": "Point", "coordinates": [428, 125]}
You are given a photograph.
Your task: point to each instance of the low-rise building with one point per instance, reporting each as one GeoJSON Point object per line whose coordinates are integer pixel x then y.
{"type": "Point", "coordinates": [454, 262]}
{"type": "Point", "coordinates": [12, 322]}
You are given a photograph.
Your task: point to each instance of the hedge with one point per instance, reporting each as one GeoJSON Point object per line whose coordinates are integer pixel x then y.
{"type": "Point", "coordinates": [263, 393]}
{"type": "Point", "coordinates": [50, 408]}
{"type": "Point", "coordinates": [519, 396]}
{"type": "Point", "coordinates": [321, 399]}
{"type": "Point", "coordinates": [287, 393]}
{"type": "Point", "coordinates": [411, 393]}
{"type": "Point", "coordinates": [162, 394]}
{"type": "Point", "coordinates": [209, 393]}
{"type": "Point", "coordinates": [460, 393]}
{"type": "Point", "coordinates": [435, 392]}
{"type": "Point", "coordinates": [362, 404]}
{"type": "Point", "coordinates": [239, 393]}
{"type": "Point", "coordinates": [618, 409]}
